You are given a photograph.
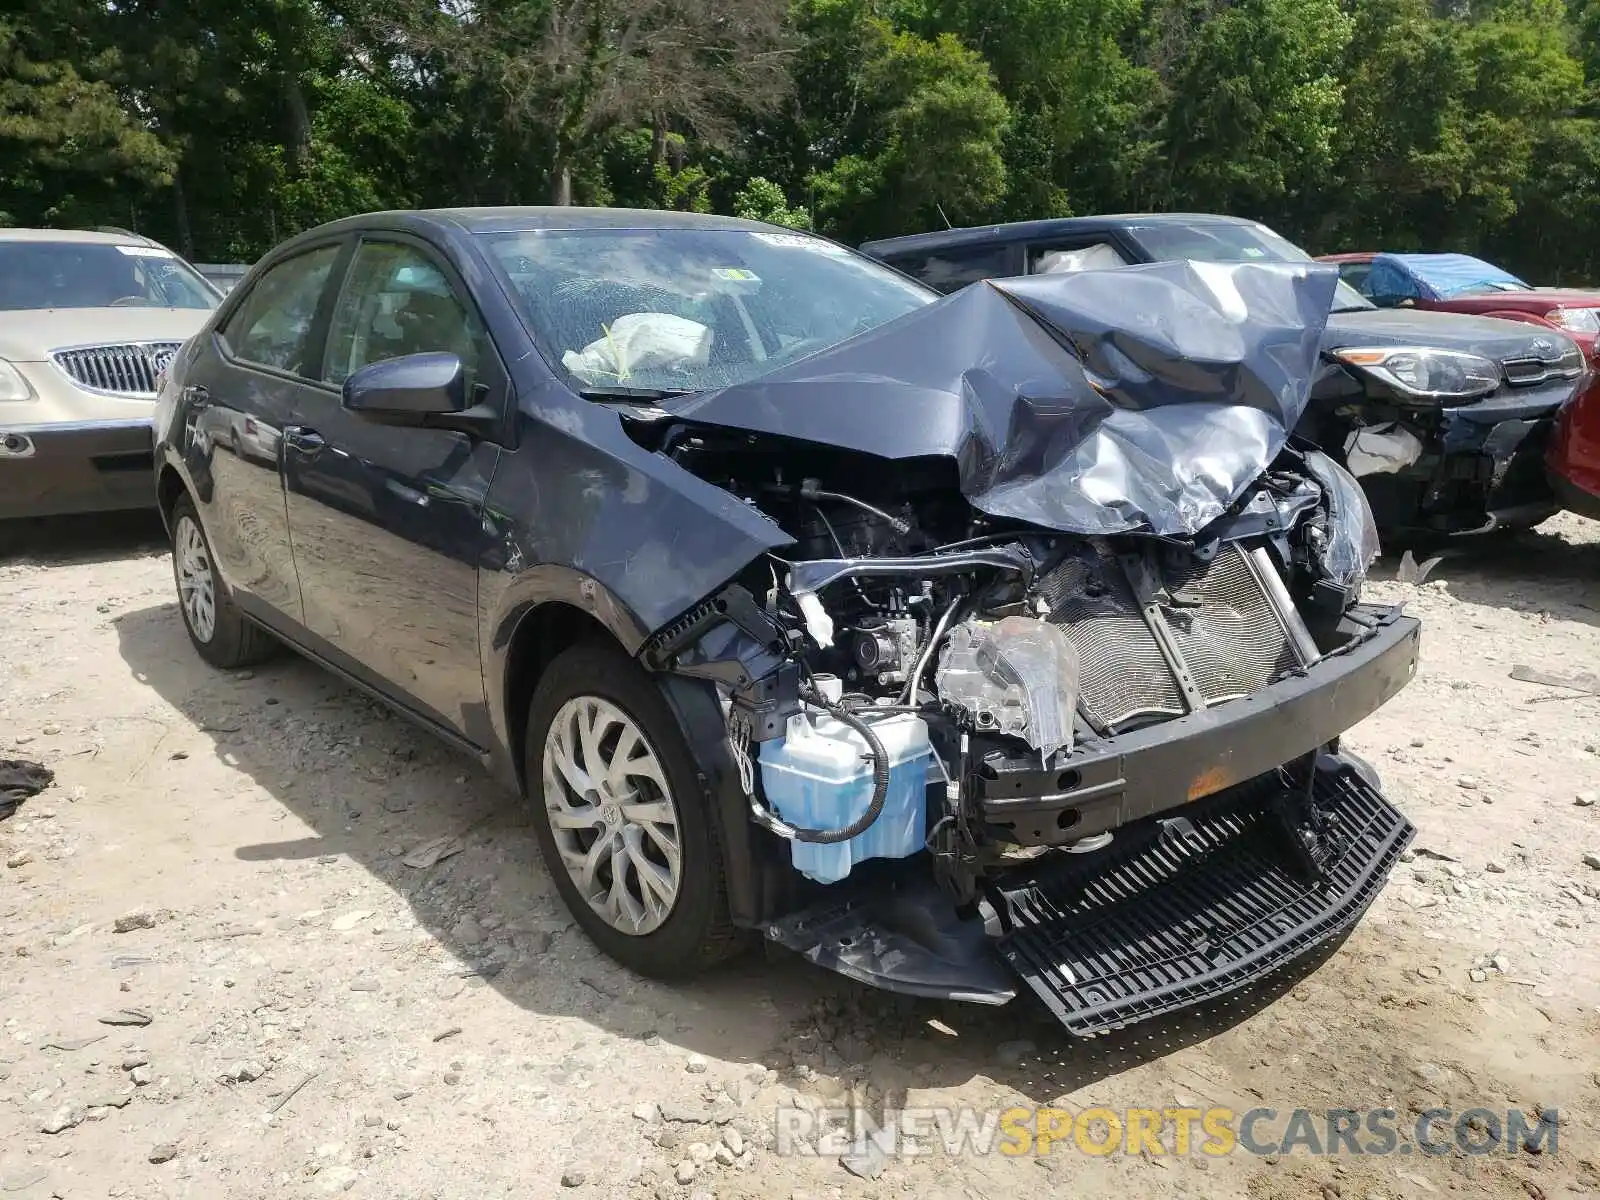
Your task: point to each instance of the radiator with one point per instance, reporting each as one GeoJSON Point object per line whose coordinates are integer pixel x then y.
{"type": "Point", "coordinates": [1213, 620]}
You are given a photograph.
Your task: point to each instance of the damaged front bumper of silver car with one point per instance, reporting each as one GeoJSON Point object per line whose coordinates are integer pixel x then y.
{"type": "Point", "coordinates": [1048, 685]}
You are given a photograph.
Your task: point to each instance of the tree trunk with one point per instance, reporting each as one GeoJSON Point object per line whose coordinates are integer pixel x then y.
{"type": "Point", "coordinates": [658, 140]}
{"type": "Point", "coordinates": [561, 183]}
{"type": "Point", "coordinates": [299, 123]}
{"type": "Point", "coordinates": [180, 216]}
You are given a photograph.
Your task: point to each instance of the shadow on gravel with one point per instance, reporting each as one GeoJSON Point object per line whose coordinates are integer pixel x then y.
{"type": "Point", "coordinates": [1532, 571]}
{"type": "Point", "coordinates": [90, 538]}
{"type": "Point", "coordinates": [373, 788]}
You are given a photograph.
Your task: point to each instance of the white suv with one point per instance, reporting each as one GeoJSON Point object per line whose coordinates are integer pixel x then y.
{"type": "Point", "coordinates": [88, 321]}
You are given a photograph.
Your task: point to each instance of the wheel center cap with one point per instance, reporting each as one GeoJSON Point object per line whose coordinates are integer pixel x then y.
{"type": "Point", "coordinates": [610, 814]}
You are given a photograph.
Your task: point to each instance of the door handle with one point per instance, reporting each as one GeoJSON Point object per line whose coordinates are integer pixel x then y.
{"type": "Point", "coordinates": [196, 397]}
{"type": "Point", "coordinates": [303, 441]}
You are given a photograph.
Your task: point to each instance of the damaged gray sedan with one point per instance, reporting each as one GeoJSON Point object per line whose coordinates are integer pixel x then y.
{"type": "Point", "coordinates": [959, 644]}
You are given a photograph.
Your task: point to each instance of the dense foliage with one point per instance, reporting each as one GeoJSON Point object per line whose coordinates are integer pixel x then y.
{"type": "Point", "coordinates": [222, 126]}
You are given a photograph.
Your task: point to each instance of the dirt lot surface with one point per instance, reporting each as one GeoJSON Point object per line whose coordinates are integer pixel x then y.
{"type": "Point", "coordinates": [324, 1017]}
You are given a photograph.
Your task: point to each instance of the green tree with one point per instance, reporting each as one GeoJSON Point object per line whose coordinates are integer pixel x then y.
{"type": "Point", "coordinates": [67, 144]}
{"type": "Point", "coordinates": [920, 137]}
{"type": "Point", "coordinates": [1082, 127]}
{"type": "Point", "coordinates": [762, 200]}
{"type": "Point", "coordinates": [1251, 97]}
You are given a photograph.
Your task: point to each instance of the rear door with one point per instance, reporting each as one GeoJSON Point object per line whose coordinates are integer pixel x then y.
{"type": "Point", "coordinates": [387, 521]}
{"type": "Point", "coordinates": [239, 394]}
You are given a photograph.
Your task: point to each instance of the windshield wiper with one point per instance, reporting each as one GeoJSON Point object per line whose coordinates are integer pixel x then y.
{"type": "Point", "coordinates": [641, 395]}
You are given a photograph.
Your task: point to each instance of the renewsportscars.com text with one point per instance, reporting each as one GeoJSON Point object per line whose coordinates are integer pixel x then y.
{"type": "Point", "coordinates": [1164, 1131]}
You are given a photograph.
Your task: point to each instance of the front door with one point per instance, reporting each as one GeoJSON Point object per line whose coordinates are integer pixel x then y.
{"type": "Point", "coordinates": [387, 521]}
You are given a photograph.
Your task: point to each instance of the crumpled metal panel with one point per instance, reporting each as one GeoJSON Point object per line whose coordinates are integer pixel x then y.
{"type": "Point", "coordinates": [1103, 402]}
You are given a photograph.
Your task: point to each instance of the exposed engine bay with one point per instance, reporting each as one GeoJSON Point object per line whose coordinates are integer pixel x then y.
{"type": "Point", "coordinates": [1015, 647]}
{"type": "Point", "coordinates": [970, 667]}
{"type": "Point", "coordinates": [988, 698]}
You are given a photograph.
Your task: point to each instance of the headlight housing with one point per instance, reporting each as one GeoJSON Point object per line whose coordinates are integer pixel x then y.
{"type": "Point", "coordinates": [1352, 541]}
{"type": "Point", "coordinates": [1425, 370]}
{"type": "Point", "coordinates": [12, 385]}
{"type": "Point", "coordinates": [1575, 320]}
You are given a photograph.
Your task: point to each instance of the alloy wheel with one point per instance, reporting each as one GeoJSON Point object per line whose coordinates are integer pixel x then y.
{"type": "Point", "coordinates": [612, 814]}
{"type": "Point", "coordinates": [197, 589]}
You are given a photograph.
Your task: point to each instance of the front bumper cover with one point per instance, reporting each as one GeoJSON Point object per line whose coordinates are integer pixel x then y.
{"type": "Point", "coordinates": [1482, 467]}
{"type": "Point", "coordinates": [1174, 912]}
{"type": "Point", "coordinates": [1508, 444]}
{"type": "Point", "coordinates": [75, 467]}
{"type": "Point", "coordinates": [1134, 775]}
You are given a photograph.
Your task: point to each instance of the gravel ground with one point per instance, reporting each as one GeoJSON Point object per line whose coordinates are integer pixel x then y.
{"type": "Point", "coordinates": [324, 1017]}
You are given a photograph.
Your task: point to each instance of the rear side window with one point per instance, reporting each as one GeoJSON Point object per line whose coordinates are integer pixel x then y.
{"type": "Point", "coordinates": [1068, 257]}
{"type": "Point", "coordinates": [951, 269]}
{"type": "Point", "coordinates": [272, 327]}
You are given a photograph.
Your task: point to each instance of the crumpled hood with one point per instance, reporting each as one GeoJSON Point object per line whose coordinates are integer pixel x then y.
{"type": "Point", "coordinates": [1147, 398]}
{"type": "Point", "coordinates": [29, 335]}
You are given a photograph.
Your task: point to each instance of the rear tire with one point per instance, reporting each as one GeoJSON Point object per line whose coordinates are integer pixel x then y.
{"type": "Point", "coordinates": [621, 818]}
{"type": "Point", "coordinates": [219, 631]}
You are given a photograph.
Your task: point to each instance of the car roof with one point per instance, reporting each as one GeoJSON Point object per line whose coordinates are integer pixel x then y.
{"type": "Point", "coordinates": [513, 219]}
{"type": "Point", "coordinates": [1049, 227]}
{"type": "Point", "coordinates": [100, 237]}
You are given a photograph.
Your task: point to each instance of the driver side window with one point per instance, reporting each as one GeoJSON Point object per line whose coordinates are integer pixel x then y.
{"type": "Point", "coordinates": [396, 301]}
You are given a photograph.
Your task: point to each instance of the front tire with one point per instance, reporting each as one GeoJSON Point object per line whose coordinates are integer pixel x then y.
{"type": "Point", "coordinates": [621, 818]}
{"type": "Point", "coordinates": [216, 627]}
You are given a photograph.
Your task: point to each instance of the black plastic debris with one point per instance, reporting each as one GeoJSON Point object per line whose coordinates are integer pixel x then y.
{"type": "Point", "coordinates": [20, 779]}
{"type": "Point", "coordinates": [1152, 926]}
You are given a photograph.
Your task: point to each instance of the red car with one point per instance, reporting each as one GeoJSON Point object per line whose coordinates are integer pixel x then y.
{"type": "Point", "coordinates": [1463, 284]}
{"type": "Point", "coordinates": [1574, 457]}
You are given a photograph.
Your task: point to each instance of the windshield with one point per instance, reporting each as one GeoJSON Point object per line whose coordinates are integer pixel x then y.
{"type": "Point", "coordinates": [685, 310]}
{"type": "Point", "coordinates": [1232, 243]}
{"type": "Point", "coordinates": [37, 275]}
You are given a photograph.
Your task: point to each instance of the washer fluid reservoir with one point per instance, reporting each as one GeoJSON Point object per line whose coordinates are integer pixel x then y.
{"type": "Point", "coordinates": [819, 776]}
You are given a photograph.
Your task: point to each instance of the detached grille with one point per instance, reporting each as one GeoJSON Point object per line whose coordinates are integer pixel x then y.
{"type": "Point", "coordinates": [1155, 924]}
{"type": "Point", "coordinates": [1216, 620]}
{"type": "Point", "coordinates": [1232, 640]}
{"type": "Point", "coordinates": [1122, 673]}
{"type": "Point", "coordinates": [125, 369]}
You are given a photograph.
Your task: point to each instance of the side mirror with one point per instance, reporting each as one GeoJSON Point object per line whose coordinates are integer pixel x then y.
{"type": "Point", "coordinates": [408, 389]}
